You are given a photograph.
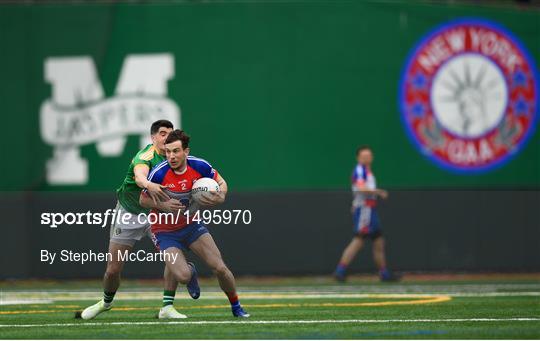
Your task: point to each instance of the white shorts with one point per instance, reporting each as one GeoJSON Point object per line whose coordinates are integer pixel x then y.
{"type": "Point", "coordinates": [129, 228]}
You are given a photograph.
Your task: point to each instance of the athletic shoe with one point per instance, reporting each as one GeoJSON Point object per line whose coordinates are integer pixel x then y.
{"type": "Point", "coordinates": [168, 312]}
{"type": "Point", "coordinates": [239, 312]}
{"type": "Point", "coordinates": [94, 310]}
{"type": "Point", "coordinates": [193, 285]}
{"type": "Point", "coordinates": [389, 276]}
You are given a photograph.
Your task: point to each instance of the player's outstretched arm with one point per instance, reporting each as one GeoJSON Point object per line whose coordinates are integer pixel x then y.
{"type": "Point", "coordinates": [155, 191]}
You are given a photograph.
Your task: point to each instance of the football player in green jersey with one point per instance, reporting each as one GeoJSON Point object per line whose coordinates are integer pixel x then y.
{"type": "Point", "coordinates": [131, 228]}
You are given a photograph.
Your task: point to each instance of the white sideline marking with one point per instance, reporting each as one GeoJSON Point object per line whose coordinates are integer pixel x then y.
{"type": "Point", "coordinates": [365, 288]}
{"type": "Point", "coordinates": [9, 297]}
{"type": "Point", "coordinates": [93, 324]}
{"type": "Point", "coordinates": [496, 294]}
{"type": "Point", "coordinates": [23, 301]}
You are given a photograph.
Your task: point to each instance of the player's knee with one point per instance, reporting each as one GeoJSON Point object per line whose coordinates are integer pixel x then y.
{"type": "Point", "coordinates": [114, 268]}
{"type": "Point", "coordinates": [113, 272]}
{"type": "Point", "coordinates": [379, 243]}
{"type": "Point", "coordinates": [183, 275]}
{"type": "Point", "coordinates": [356, 243]}
{"type": "Point", "coordinates": [221, 269]}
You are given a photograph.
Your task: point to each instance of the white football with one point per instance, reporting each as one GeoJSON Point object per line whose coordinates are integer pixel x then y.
{"type": "Point", "coordinates": [202, 186]}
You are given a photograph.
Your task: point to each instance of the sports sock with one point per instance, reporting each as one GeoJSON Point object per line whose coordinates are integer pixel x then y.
{"type": "Point", "coordinates": [341, 269]}
{"type": "Point", "coordinates": [233, 299]}
{"type": "Point", "coordinates": [168, 297]}
{"type": "Point", "coordinates": [108, 297]}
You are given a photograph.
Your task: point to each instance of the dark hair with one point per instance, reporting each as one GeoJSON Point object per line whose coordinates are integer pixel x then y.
{"type": "Point", "coordinates": [362, 148]}
{"type": "Point", "coordinates": [178, 135]}
{"type": "Point", "coordinates": [158, 124]}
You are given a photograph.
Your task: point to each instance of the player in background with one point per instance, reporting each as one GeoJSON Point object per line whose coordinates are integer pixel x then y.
{"type": "Point", "coordinates": [175, 235]}
{"type": "Point", "coordinates": [365, 218]}
{"type": "Point", "coordinates": [124, 236]}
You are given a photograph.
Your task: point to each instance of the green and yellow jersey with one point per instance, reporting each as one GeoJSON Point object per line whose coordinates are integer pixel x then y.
{"type": "Point", "coordinates": [128, 193]}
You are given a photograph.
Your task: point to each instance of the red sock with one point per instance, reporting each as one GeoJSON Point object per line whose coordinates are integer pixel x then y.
{"type": "Point", "coordinates": [232, 296]}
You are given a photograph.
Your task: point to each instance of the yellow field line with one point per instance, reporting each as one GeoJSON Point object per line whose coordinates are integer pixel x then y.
{"type": "Point", "coordinates": [436, 299]}
{"type": "Point", "coordinates": [426, 300]}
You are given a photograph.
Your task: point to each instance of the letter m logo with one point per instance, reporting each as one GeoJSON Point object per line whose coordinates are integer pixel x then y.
{"type": "Point", "coordinates": [78, 113]}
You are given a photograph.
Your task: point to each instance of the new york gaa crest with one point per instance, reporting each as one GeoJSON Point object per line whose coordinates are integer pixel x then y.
{"type": "Point", "coordinates": [469, 96]}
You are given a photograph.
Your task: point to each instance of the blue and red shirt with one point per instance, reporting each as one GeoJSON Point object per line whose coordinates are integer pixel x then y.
{"type": "Point", "coordinates": [178, 187]}
{"type": "Point", "coordinates": [362, 176]}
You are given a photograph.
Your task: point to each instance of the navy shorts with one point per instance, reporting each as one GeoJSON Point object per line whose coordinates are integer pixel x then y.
{"type": "Point", "coordinates": [366, 222]}
{"type": "Point", "coordinates": [180, 239]}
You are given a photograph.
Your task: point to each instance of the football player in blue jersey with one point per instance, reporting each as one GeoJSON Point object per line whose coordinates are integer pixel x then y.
{"type": "Point", "coordinates": [365, 218]}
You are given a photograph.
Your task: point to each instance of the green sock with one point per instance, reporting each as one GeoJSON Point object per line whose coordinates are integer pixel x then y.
{"type": "Point", "coordinates": [108, 297]}
{"type": "Point", "coordinates": [168, 297]}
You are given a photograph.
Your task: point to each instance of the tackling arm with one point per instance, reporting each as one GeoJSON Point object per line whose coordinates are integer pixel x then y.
{"type": "Point", "coordinates": [170, 205]}
{"type": "Point", "coordinates": [154, 190]}
{"type": "Point", "coordinates": [146, 202]}
{"type": "Point", "coordinates": [141, 174]}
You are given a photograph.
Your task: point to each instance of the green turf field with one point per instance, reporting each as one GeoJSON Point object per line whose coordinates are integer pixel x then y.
{"type": "Point", "coordinates": [477, 307]}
